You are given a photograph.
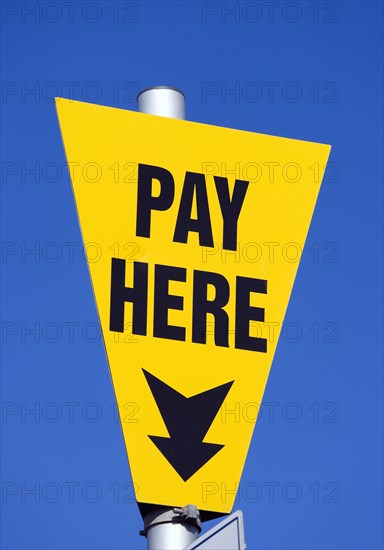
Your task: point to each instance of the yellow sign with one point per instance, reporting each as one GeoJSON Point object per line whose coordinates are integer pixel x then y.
{"type": "Point", "coordinates": [196, 233]}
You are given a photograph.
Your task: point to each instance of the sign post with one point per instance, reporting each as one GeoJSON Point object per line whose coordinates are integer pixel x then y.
{"type": "Point", "coordinates": [167, 528]}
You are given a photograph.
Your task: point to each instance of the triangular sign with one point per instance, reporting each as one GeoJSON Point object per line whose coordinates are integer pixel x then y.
{"type": "Point", "coordinates": [226, 535]}
{"type": "Point", "coordinates": [198, 232]}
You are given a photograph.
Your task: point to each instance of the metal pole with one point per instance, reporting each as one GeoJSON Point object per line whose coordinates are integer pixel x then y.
{"type": "Point", "coordinates": [168, 528]}
{"type": "Point", "coordinates": [171, 528]}
{"type": "Point", "coordinates": [163, 101]}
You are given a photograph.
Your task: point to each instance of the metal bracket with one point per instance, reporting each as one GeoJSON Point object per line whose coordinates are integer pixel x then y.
{"type": "Point", "coordinates": [189, 515]}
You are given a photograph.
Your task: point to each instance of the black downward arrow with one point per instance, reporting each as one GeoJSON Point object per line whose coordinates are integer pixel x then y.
{"type": "Point", "coordinates": [187, 420]}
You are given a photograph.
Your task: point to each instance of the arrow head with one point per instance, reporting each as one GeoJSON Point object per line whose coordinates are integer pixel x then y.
{"type": "Point", "coordinates": [187, 420]}
{"type": "Point", "coordinates": [186, 457]}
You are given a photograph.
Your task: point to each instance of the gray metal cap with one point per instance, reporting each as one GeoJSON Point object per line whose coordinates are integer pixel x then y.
{"type": "Point", "coordinates": [164, 101]}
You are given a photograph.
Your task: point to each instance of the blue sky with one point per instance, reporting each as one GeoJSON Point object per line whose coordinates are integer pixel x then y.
{"type": "Point", "coordinates": [306, 70]}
